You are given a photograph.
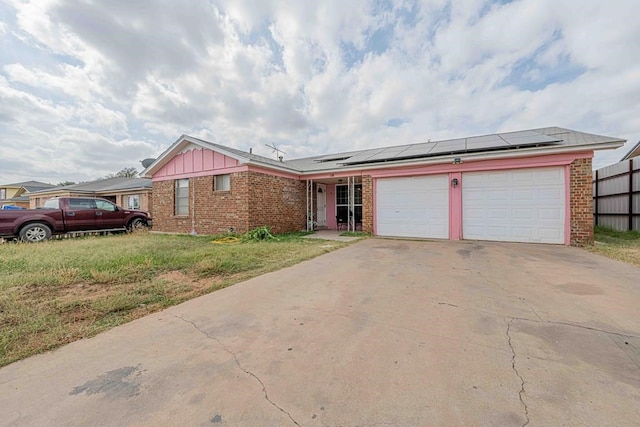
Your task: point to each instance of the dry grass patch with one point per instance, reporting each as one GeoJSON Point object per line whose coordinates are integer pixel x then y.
{"type": "Point", "coordinates": [620, 245]}
{"type": "Point", "coordinates": [59, 291]}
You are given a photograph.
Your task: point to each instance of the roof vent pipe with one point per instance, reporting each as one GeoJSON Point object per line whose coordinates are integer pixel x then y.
{"type": "Point", "coordinates": [250, 150]}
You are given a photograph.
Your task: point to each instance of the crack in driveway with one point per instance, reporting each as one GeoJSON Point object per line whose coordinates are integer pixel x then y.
{"type": "Point", "coordinates": [573, 325]}
{"type": "Point", "coordinates": [515, 369]}
{"type": "Point", "coordinates": [235, 358]}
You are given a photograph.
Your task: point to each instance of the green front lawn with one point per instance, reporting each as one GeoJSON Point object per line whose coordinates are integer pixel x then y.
{"type": "Point", "coordinates": [59, 291]}
{"type": "Point", "coordinates": [621, 245]}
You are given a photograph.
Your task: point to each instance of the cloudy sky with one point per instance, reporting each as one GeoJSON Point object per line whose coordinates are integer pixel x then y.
{"type": "Point", "coordinates": [88, 87]}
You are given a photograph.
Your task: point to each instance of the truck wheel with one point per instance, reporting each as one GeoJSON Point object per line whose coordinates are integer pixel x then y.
{"type": "Point", "coordinates": [36, 232]}
{"type": "Point", "coordinates": [137, 224]}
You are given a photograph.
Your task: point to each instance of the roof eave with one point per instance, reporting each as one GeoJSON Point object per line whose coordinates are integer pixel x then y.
{"type": "Point", "coordinates": [523, 152]}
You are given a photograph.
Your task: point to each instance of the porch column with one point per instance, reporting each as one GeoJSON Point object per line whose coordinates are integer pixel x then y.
{"type": "Point", "coordinates": [368, 205]}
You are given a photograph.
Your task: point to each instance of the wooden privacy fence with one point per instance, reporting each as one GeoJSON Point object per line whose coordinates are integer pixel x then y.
{"type": "Point", "coordinates": [616, 195]}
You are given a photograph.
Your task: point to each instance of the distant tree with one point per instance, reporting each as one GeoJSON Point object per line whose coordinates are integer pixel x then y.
{"type": "Point", "coordinates": [124, 173]}
{"type": "Point", "coordinates": [65, 183]}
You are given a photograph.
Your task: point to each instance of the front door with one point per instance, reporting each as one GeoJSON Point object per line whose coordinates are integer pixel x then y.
{"type": "Point", "coordinates": [321, 202]}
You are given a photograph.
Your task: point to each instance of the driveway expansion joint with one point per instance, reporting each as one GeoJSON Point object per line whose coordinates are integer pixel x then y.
{"type": "Point", "coordinates": [237, 362]}
{"type": "Point", "coordinates": [515, 369]}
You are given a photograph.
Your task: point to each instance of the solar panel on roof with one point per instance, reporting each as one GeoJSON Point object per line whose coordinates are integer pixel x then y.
{"type": "Point", "coordinates": [529, 139]}
{"type": "Point", "coordinates": [504, 141]}
{"type": "Point", "coordinates": [453, 145]}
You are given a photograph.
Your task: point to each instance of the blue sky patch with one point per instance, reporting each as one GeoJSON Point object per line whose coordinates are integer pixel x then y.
{"type": "Point", "coordinates": [396, 123]}
{"type": "Point", "coordinates": [531, 75]}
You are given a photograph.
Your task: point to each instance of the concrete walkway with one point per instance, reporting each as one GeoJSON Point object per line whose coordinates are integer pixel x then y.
{"type": "Point", "coordinates": [383, 332]}
{"type": "Point", "coordinates": [331, 235]}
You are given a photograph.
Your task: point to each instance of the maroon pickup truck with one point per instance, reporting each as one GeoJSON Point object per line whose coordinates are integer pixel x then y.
{"type": "Point", "coordinates": [62, 215]}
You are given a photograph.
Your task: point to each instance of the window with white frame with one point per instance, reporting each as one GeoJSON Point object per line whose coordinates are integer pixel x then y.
{"type": "Point", "coordinates": [182, 197]}
{"type": "Point", "coordinates": [342, 203]}
{"type": "Point", "coordinates": [222, 183]}
{"type": "Point", "coordinates": [133, 201]}
{"type": "Point", "coordinates": [3, 193]}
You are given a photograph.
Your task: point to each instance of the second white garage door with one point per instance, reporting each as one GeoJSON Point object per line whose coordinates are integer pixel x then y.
{"type": "Point", "coordinates": [413, 207]}
{"type": "Point", "coordinates": [521, 205]}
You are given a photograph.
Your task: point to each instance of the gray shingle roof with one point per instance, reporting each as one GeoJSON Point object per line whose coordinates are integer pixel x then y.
{"type": "Point", "coordinates": [105, 185]}
{"type": "Point", "coordinates": [30, 186]}
{"type": "Point", "coordinates": [547, 137]}
{"type": "Point", "coordinates": [531, 140]}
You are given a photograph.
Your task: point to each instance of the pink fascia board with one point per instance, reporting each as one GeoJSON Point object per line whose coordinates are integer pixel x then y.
{"type": "Point", "coordinates": [562, 159]}
{"type": "Point", "coordinates": [338, 174]}
{"type": "Point", "coordinates": [274, 172]}
{"type": "Point", "coordinates": [202, 173]}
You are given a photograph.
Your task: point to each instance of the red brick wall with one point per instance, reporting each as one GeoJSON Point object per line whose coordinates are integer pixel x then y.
{"type": "Point", "coordinates": [216, 212]}
{"type": "Point", "coordinates": [277, 202]}
{"type": "Point", "coordinates": [367, 204]}
{"type": "Point", "coordinates": [581, 203]}
{"type": "Point", "coordinates": [254, 200]}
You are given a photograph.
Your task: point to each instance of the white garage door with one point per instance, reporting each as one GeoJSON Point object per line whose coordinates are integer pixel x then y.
{"type": "Point", "coordinates": [524, 205]}
{"type": "Point", "coordinates": [413, 207]}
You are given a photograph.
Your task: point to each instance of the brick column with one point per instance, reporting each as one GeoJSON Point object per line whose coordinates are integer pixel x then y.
{"type": "Point", "coordinates": [581, 203]}
{"type": "Point", "coordinates": [367, 204]}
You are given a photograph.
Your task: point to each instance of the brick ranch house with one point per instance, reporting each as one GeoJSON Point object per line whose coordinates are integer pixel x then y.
{"type": "Point", "coordinates": [525, 186]}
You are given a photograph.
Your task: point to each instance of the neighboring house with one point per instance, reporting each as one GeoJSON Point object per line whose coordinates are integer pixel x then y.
{"type": "Point", "coordinates": [616, 193]}
{"type": "Point", "coordinates": [526, 186]}
{"type": "Point", "coordinates": [634, 152]}
{"type": "Point", "coordinates": [17, 194]}
{"type": "Point", "coordinates": [129, 193]}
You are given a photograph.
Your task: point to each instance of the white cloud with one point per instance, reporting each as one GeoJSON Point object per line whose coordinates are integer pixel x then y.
{"type": "Point", "coordinates": [90, 88]}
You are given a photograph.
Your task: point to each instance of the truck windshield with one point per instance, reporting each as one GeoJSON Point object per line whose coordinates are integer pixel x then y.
{"type": "Point", "coordinates": [52, 204]}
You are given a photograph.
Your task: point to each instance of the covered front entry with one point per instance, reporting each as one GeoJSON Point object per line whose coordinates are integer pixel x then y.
{"type": "Point", "coordinates": [334, 203]}
{"type": "Point", "coordinates": [413, 206]}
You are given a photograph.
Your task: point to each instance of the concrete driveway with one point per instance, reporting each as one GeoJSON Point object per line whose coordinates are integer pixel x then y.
{"type": "Point", "coordinates": [384, 332]}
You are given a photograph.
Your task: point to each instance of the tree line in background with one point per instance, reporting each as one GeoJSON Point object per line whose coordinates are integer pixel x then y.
{"type": "Point", "coordinates": [124, 173]}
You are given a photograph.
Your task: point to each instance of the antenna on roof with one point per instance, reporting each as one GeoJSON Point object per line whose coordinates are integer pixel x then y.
{"type": "Point", "coordinates": [276, 150]}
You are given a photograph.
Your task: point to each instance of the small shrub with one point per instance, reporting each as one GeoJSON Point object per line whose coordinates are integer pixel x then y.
{"type": "Point", "coordinates": [260, 233]}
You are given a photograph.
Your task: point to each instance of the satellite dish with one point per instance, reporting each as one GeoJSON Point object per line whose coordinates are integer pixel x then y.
{"type": "Point", "coordinates": [147, 162]}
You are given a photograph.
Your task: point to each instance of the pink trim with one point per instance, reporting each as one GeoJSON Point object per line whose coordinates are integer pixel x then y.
{"type": "Point", "coordinates": [275, 173]}
{"type": "Point", "coordinates": [375, 207]}
{"type": "Point", "coordinates": [202, 173]}
{"type": "Point", "coordinates": [325, 175]}
{"type": "Point", "coordinates": [567, 205]}
{"type": "Point", "coordinates": [482, 165]}
{"type": "Point", "coordinates": [455, 207]}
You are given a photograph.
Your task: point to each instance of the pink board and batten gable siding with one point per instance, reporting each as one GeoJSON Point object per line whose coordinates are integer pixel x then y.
{"type": "Point", "coordinates": [196, 162]}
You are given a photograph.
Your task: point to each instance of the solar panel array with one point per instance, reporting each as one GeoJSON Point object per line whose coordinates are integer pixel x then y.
{"type": "Point", "coordinates": [503, 141]}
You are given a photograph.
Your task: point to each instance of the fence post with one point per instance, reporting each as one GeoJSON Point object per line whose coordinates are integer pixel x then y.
{"type": "Point", "coordinates": [596, 199]}
{"type": "Point", "coordinates": [630, 194]}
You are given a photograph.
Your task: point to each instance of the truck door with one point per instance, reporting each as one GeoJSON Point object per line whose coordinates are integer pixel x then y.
{"type": "Point", "coordinates": [80, 214]}
{"type": "Point", "coordinates": [108, 215]}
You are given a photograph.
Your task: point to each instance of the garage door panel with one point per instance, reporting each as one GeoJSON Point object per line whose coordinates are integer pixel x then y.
{"type": "Point", "coordinates": [524, 205]}
{"type": "Point", "coordinates": [413, 206]}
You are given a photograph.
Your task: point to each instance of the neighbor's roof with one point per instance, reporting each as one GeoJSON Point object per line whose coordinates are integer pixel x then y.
{"type": "Point", "coordinates": [30, 186]}
{"type": "Point", "coordinates": [102, 186]}
{"type": "Point", "coordinates": [634, 152]}
{"type": "Point", "coordinates": [525, 142]}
